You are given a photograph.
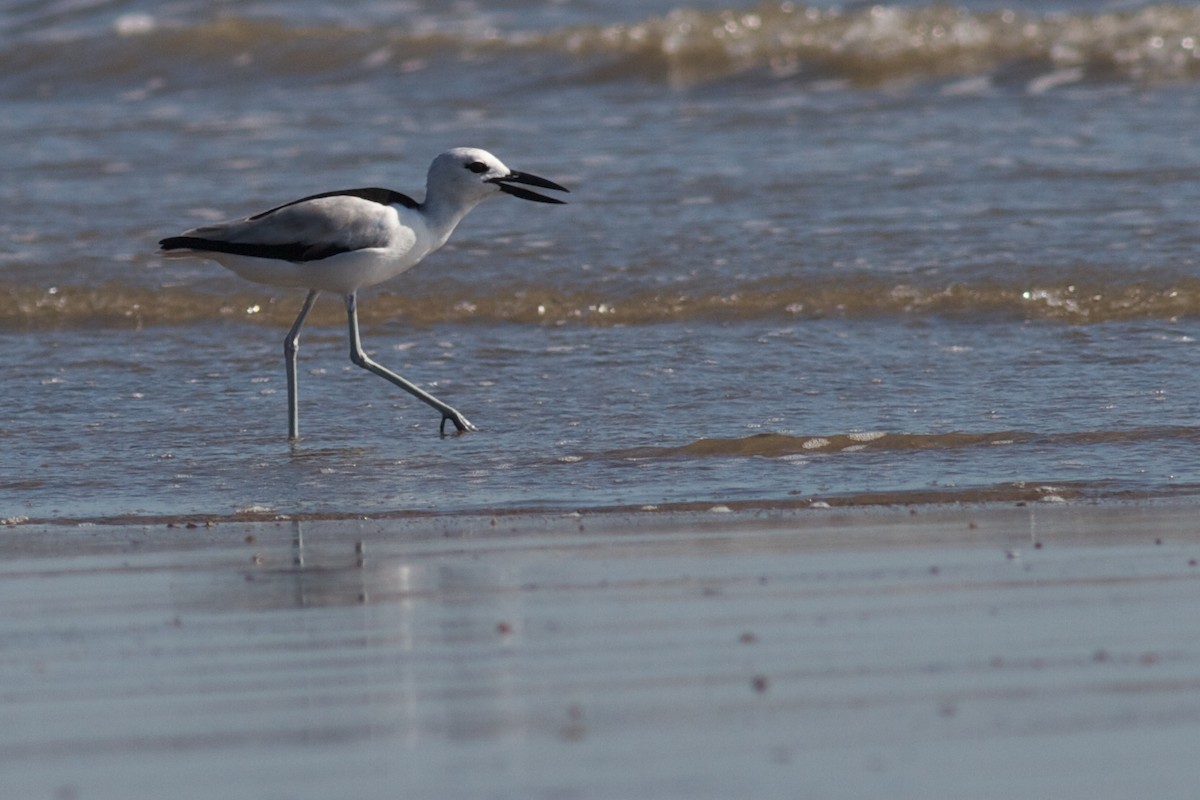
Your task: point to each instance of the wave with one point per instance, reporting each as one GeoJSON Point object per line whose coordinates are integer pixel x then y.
{"type": "Point", "coordinates": [33, 307]}
{"type": "Point", "coordinates": [882, 43]}
{"type": "Point", "coordinates": [863, 45]}
{"type": "Point", "coordinates": [778, 445]}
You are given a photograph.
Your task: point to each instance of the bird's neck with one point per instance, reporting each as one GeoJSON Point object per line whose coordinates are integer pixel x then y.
{"type": "Point", "coordinates": [442, 215]}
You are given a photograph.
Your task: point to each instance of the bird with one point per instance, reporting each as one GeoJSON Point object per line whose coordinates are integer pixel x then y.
{"type": "Point", "coordinates": [343, 241]}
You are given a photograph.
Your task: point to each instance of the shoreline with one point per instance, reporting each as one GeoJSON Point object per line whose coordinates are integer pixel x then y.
{"type": "Point", "coordinates": [1036, 506]}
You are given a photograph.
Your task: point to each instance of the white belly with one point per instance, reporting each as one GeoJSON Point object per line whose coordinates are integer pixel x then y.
{"type": "Point", "coordinates": [343, 273]}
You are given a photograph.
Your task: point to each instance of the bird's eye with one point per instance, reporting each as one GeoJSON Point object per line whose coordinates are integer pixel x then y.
{"type": "Point", "coordinates": [477, 167]}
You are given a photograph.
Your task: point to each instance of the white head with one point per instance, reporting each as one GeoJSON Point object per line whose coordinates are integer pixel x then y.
{"type": "Point", "coordinates": [465, 176]}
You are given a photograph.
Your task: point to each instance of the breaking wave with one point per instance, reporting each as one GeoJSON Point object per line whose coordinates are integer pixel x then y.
{"type": "Point", "coordinates": [882, 42]}
{"type": "Point", "coordinates": [783, 40]}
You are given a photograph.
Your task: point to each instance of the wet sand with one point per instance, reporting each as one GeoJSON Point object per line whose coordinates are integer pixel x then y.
{"type": "Point", "coordinates": [985, 652]}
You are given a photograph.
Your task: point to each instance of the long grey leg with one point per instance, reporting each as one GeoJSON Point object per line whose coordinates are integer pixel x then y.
{"type": "Point", "coordinates": [291, 345]}
{"type": "Point", "coordinates": [360, 359]}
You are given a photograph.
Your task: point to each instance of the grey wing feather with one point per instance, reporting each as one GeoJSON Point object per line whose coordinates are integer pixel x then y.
{"type": "Point", "coordinates": [340, 222]}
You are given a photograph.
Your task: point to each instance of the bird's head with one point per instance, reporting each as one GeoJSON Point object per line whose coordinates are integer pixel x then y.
{"type": "Point", "coordinates": [469, 175]}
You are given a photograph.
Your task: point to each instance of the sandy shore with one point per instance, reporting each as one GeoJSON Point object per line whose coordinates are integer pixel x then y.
{"type": "Point", "coordinates": [984, 652]}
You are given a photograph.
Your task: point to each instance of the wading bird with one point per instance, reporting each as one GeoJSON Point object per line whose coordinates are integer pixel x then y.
{"type": "Point", "coordinates": [342, 241]}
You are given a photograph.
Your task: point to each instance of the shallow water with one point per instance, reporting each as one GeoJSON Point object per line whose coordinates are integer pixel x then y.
{"type": "Point", "coordinates": [812, 254]}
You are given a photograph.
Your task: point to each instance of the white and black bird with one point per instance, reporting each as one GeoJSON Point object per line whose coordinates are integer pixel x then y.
{"type": "Point", "coordinates": [342, 241]}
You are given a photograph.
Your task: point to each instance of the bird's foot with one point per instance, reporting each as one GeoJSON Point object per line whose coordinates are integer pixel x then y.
{"type": "Point", "coordinates": [461, 423]}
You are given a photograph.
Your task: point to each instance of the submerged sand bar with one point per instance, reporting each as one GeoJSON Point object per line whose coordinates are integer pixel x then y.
{"type": "Point", "coordinates": [979, 652]}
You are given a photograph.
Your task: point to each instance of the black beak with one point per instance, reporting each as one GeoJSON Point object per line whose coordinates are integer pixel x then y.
{"type": "Point", "coordinates": [506, 186]}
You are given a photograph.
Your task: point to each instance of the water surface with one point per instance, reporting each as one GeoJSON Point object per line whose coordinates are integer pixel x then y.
{"type": "Point", "coordinates": [814, 254]}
